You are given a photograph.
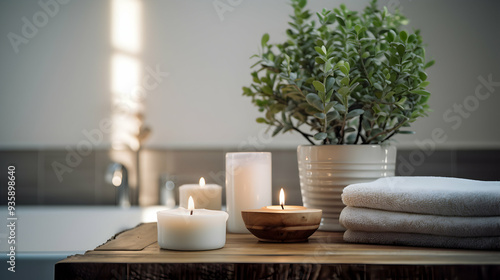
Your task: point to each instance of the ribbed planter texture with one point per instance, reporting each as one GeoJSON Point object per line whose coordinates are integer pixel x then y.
{"type": "Point", "coordinates": [325, 170]}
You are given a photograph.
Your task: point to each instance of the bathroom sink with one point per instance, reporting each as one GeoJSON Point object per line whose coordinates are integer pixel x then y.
{"type": "Point", "coordinates": [47, 234]}
{"type": "Point", "coordinates": [72, 229]}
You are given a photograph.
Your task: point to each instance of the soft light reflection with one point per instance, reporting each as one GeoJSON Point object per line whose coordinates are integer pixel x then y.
{"type": "Point", "coordinates": [125, 73]}
{"type": "Point", "coordinates": [125, 27]}
{"type": "Point", "coordinates": [117, 178]}
{"type": "Point", "coordinates": [202, 182]}
{"type": "Point", "coordinates": [125, 76]}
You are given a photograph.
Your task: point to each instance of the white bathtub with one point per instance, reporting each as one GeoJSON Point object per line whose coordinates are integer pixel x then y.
{"type": "Point", "coordinates": [47, 234]}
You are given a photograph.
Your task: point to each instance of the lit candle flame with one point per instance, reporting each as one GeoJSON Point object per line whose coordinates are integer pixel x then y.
{"type": "Point", "coordinates": [282, 199]}
{"type": "Point", "coordinates": [202, 182]}
{"type": "Point", "coordinates": [191, 204]}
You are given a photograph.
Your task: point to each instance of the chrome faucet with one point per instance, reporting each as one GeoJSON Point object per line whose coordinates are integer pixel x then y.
{"type": "Point", "coordinates": [117, 176]}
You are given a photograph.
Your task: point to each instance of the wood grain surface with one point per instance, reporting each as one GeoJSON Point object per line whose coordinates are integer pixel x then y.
{"type": "Point", "coordinates": [135, 254]}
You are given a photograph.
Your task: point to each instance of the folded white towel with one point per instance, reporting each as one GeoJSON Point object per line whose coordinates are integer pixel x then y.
{"type": "Point", "coordinates": [425, 240]}
{"type": "Point", "coordinates": [372, 220]}
{"type": "Point", "coordinates": [427, 195]}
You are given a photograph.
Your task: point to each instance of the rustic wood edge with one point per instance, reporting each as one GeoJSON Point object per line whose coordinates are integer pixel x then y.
{"type": "Point", "coordinates": [271, 271]}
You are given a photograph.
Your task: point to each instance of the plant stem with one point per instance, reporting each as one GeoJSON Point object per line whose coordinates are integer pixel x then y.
{"type": "Point", "coordinates": [383, 132]}
{"type": "Point", "coordinates": [363, 65]}
{"type": "Point", "coordinates": [387, 119]}
{"type": "Point", "coordinates": [304, 134]}
{"type": "Point", "coordinates": [359, 129]}
{"type": "Point", "coordinates": [389, 136]}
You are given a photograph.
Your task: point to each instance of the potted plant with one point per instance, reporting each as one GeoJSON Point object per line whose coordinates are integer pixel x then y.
{"type": "Point", "coordinates": [348, 83]}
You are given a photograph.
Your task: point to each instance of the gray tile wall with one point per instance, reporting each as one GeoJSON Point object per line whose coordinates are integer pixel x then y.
{"type": "Point", "coordinates": [83, 184]}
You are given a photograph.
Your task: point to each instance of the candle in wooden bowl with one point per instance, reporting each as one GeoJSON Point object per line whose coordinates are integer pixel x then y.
{"type": "Point", "coordinates": [282, 223]}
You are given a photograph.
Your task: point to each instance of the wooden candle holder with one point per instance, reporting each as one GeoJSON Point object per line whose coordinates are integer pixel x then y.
{"type": "Point", "coordinates": [282, 225]}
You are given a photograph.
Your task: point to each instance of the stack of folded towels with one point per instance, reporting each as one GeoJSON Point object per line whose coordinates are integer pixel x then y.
{"type": "Point", "coordinates": [423, 211]}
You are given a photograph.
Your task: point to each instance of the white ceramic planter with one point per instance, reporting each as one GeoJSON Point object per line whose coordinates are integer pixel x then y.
{"type": "Point", "coordinates": [325, 170]}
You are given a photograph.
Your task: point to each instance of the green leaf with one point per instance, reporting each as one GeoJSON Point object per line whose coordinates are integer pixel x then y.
{"type": "Point", "coordinates": [406, 132]}
{"type": "Point", "coordinates": [276, 108]}
{"type": "Point", "coordinates": [345, 81]}
{"type": "Point", "coordinates": [391, 35]}
{"type": "Point", "coordinates": [344, 70]}
{"type": "Point", "coordinates": [330, 81]}
{"type": "Point", "coordinates": [320, 50]}
{"type": "Point", "coordinates": [378, 86]}
{"type": "Point", "coordinates": [328, 66]}
{"type": "Point", "coordinates": [412, 38]}
{"type": "Point", "coordinates": [424, 84]}
{"type": "Point", "coordinates": [320, 136]}
{"type": "Point", "coordinates": [401, 49]}
{"type": "Point", "coordinates": [357, 28]}
{"type": "Point", "coordinates": [333, 115]}
{"type": "Point", "coordinates": [354, 86]}
{"type": "Point", "coordinates": [354, 113]}
{"type": "Point", "coordinates": [403, 35]}
{"type": "Point", "coordinates": [319, 86]}
{"type": "Point", "coordinates": [264, 40]}
{"type": "Point", "coordinates": [421, 92]}
{"type": "Point", "coordinates": [302, 3]}
{"type": "Point", "coordinates": [429, 64]}
{"type": "Point", "coordinates": [343, 91]}
{"type": "Point", "coordinates": [329, 96]}
{"type": "Point", "coordinates": [267, 90]}
{"type": "Point", "coordinates": [393, 60]}
{"type": "Point", "coordinates": [299, 116]}
{"type": "Point", "coordinates": [277, 130]}
{"type": "Point", "coordinates": [389, 95]}
{"type": "Point", "coordinates": [346, 64]}
{"type": "Point", "coordinates": [320, 116]}
{"type": "Point", "coordinates": [261, 120]}
{"type": "Point", "coordinates": [315, 101]}
{"type": "Point", "coordinates": [349, 129]}
{"type": "Point", "coordinates": [340, 20]}
{"type": "Point", "coordinates": [330, 105]}
{"type": "Point", "coordinates": [340, 108]}
{"type": "Point", "coordinates": [319, 60]}
{"type": "Point", "coordinates": [400, 103]}
{"type": "Point", "coordinates": [422, 75]}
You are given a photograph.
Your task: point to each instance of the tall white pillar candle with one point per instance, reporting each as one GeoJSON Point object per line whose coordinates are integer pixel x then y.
{"type": "Point", "coordinates": [205, 196]}
{"type": "Point", "coordinates": [248, 186]}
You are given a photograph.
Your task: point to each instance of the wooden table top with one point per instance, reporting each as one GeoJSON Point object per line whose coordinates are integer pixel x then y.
{"type": "Point", "coordinates": [325, 253]}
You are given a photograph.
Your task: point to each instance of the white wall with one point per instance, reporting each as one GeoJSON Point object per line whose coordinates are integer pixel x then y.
{"type": "Point", "coordinates": [58, 84]}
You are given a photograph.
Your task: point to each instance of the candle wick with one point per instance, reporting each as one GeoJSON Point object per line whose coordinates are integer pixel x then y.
{"type": "Point", "coordinates": [282, 207]}
{"type": "Point", "coordinates": [191, 212]}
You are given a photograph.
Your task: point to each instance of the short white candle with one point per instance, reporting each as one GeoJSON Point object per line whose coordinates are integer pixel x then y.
{"type": "Point", "coordinates": [206, 196]}
{"type": "Point", "coordinates": [191, 229]}
{"type": "Point", "coordinates": [248, 186]}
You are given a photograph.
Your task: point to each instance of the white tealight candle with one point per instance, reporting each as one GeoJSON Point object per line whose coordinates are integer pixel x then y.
{"type": "Point", "coordinates": [191, 229]}
{"type": "Point", "coordinates": [282, 207]}
{"type": "Point", "coordinates": [206, 196]}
